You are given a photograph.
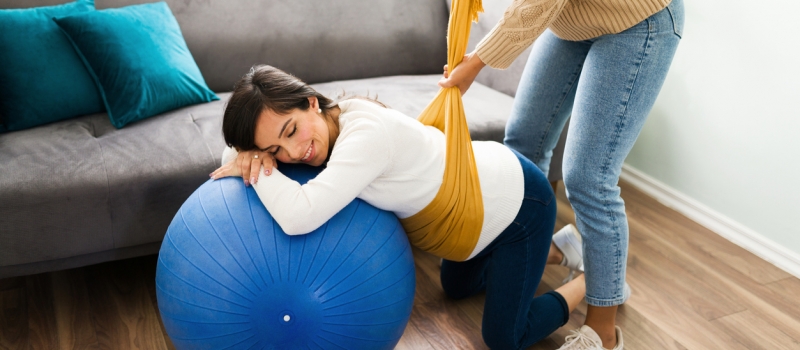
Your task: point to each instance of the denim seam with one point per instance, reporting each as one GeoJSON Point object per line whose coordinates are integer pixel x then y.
{"type": "Point", "coordinates": [524, 286]}
{"type": "Point", "coordinates": [674, 23]}
{"type": "Point", "coordinates": [564, 305]}
{"type": "Point", "coordinates": [607, 164]}
{"type": "Point", "coordinates": [539, 200]}
{"type": "Point", "coordinates": [604, 302]}
{"type": "Point", "coordinates": [565, 93]}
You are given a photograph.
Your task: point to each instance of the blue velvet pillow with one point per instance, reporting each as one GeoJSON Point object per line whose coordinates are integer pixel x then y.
{"type": "Point", "coordinates": [139, 60]}
{"type": "Point", "coordinates": [42, 79]}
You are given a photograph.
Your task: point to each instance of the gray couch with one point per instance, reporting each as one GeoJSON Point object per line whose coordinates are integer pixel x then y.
{"type": "Point", "coordinates": [80, 192]}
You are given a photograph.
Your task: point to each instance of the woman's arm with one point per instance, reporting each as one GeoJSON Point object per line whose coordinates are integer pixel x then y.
{"type": "Point", "coordinates": [522, 23]}
{"type": "Point", "coordinates": [361, 154]}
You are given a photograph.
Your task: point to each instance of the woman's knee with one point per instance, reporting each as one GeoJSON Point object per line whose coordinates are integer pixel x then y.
{"type": "Point", "coordinates": [583, 184]}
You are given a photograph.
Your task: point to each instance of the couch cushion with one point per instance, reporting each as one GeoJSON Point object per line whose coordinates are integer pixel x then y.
{"type": "Point", "coordinates": [81, 186]}
{"type": "Point", "coordinates": [138, 58]}
{"type": "Point", "coordinates": [42, 79]}
{"type": "Point", "coordinates": [487, 110]}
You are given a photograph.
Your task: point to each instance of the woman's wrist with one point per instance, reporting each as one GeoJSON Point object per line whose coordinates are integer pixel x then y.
{"type": "Point", "coordinates": [476, 60]}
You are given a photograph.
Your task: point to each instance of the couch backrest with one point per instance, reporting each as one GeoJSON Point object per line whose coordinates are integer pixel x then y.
{"type": "Point", "coordinates": [316, 40]}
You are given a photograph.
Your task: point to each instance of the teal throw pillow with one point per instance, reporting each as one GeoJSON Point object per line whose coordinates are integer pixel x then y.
{"type": "Point", "coordinates": [42, 79]}
{"type": "Point", "coordinates": [139, 60]}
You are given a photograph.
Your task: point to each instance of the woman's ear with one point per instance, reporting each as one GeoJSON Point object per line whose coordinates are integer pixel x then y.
{"type": "Point", "coordinates": [313, 103]}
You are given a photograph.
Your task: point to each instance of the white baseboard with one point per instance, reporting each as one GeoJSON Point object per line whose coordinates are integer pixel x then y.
{"type": "Point", "coordinates": [720, 224]}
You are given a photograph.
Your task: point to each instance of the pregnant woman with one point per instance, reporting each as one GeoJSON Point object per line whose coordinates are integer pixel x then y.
{"type": "Point", "coordinates": [396, 163]}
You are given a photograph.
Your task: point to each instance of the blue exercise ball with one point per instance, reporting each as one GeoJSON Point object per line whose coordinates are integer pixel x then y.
{"type": "Point", "coordinates": [229, 277]}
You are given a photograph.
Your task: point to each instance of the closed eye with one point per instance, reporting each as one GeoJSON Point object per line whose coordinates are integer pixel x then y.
{"type": "Point", "coordinates": [293, 131]}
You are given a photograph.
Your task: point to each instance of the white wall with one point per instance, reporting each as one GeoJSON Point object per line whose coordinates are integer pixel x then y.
{"type": "Point", "coordinates": [725, 130]}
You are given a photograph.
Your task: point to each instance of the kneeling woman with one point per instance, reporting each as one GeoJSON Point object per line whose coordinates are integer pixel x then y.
{"type": "Point", "coordinates": [397, 164]}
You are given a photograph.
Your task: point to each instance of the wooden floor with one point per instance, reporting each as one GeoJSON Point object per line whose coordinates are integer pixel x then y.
{"type": "Point", "coordinates": [691, 290]}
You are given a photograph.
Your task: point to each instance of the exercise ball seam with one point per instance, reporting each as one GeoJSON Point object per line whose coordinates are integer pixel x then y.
{"type": "Point", "coordinates": [200, 306]}
{"type": "Point", "coordinates": [165, 314]}
{"type": "Point", "coordinates": [241, 240]}
{"type": "Point", "coordinates": [356, 292]}
{"type": "Point", "coordinates": [366, 232]}
{"type": "Point", "coordinates": [352, 337]}
{"type": "Point", "coordinates": [197, 288]}
{"type": "Point", "coordinates": [368, 279]}
{"type": "Point", "coordinates": [349, 222]}
{"type": "Point", "coordinates": [363, 324]}
{"type": "Point", "coordinates": [355, 300]}
{"type": "Point", "coordinates": [212, 256]}
{"type": "Point", "coordinates": [216, 336]}
{"type": "Point", "coordinates": [227, 249]}
{"type": "Point", "coordinates": [198, 267]}
{"type": "Point", "coordinates": [314, 257]}
{"type": "Point", "coordinates": [244, 340]}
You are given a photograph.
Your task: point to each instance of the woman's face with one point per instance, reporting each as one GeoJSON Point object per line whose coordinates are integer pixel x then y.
{"type": "Point", "coordinates": [297, 137]}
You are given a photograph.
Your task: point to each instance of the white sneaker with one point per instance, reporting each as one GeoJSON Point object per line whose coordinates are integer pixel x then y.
{"type": "Point", "coordinates": [586, 339]}
{"type": "Point", "coordinates": [569, 242]}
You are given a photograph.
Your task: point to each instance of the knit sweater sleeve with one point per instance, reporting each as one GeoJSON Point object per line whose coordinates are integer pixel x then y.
{"type": "Point", "coordinates": [522, 23]}
{"type": "Point", "coordinates": [360, 155]}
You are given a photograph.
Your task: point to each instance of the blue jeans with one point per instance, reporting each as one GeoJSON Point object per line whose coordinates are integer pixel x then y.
{"type": "Point", "coordinates": [510, 269]}
{"type": "Point", "coordinates": [608, 85]}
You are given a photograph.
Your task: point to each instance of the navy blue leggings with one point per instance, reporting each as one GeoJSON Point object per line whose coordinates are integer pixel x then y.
{"type": "Point", "coordinates": [510, 269]}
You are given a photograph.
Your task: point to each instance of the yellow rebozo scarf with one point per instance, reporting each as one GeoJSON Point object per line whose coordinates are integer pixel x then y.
{"type": "Point", "coordinates": [449, 227]}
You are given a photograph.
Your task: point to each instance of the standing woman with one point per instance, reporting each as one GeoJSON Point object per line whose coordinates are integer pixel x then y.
{"type": "Point", "coordinates": [603, 62]}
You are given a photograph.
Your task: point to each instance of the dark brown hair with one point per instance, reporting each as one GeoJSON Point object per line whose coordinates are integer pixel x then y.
{"type": "Point", "coordinates": [267, 87]}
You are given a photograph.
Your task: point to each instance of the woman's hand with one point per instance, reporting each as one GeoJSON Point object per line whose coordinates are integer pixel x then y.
{"type": "Point", "coordinates": [246, 165]}
{"type": "Point", "coordinates": [464, 74]}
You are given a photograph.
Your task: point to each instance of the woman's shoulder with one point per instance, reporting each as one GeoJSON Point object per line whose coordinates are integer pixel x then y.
{"type": "Point", "coordinates": [365, 112]}
{"type": "Point", "coordinates": [360, 105]}
{"type": "Point", "coordinates": [358, 116]}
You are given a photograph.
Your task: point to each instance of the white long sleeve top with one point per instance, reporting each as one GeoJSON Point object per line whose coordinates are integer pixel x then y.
{"type": "Point", "coordinates": [394, 163]}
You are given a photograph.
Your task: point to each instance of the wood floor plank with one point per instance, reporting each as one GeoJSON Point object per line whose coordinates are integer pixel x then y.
{"type": "Point", "coordinates": [473, 308]}
{"type": "Point", "coordinates": [784, 294]}
{"type": "Point", "coordinates": [149, 275]}
{"type": "Point", "coordinates": [42, 330]}
{"type": "Point", "coordinates": [13, 316]}
{"type": "Point", "coordinates": [701, 293]}
{"type": "Point", "coordinates": [676, 319]}
{"type": "Point", "coordinates": [72, 310]}
{"type": "Point", "coordinates": [638, 332]}
{"type": "Point", "coordinates": [11, 283]}
{"type": "Point", "coordinates": [686, 252]}
{"type": "Point", "coordinates": [692, 289]}
{"type": "Point", "coordinates": [121, 307]}
{"type": "Point", "coordinates": [755, 332]}
{"type": "Point", "coordinates": [735, 257]}
{"type": "Point", "coordinates": [413, 339]}
{"type": "Point", "coordinates": [438, 318]}
{"type": "Point", "coordinates": [753, 296]}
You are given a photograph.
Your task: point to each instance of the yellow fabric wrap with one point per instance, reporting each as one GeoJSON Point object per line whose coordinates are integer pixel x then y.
{"type": "Point", "coordinates": [449, 227]}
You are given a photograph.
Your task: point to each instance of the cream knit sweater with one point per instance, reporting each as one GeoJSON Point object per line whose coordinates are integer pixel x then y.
{"type": "Point", "coordinates": [573, 20]}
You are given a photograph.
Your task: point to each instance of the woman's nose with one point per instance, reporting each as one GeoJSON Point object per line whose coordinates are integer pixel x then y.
{"type": "Point", "coordinates": [296, 153]}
